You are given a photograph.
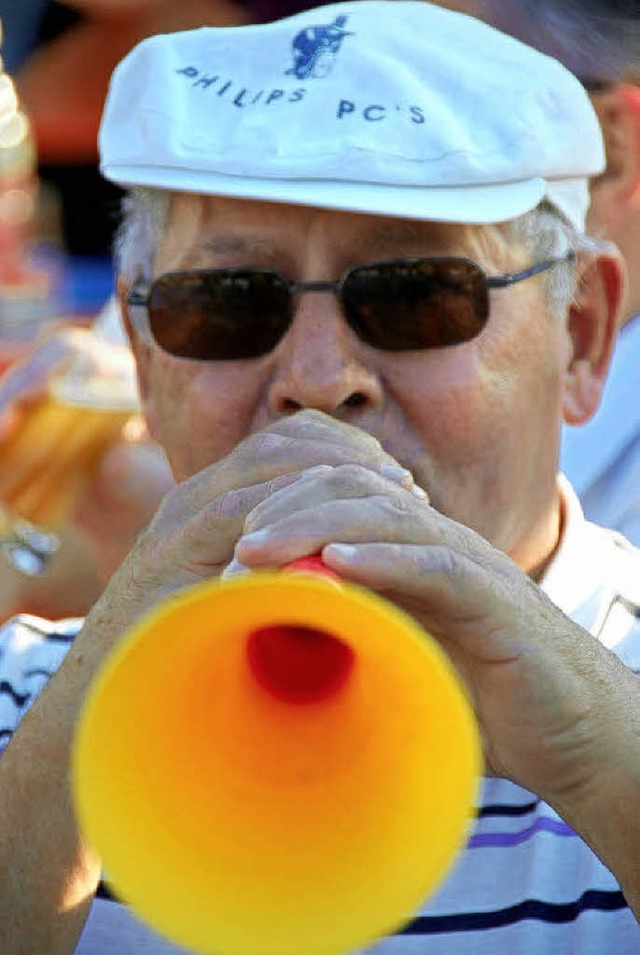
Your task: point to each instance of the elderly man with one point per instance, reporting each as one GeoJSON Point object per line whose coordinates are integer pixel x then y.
{"type": "Point", "coordinates": [361, 306]}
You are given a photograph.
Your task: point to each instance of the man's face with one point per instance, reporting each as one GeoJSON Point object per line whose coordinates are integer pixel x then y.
{"type": "Point", "coordinates": [476, 423]}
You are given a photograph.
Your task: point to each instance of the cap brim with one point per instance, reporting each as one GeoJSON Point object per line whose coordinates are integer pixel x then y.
{"type": "Point", "coordinates": [476, 204]}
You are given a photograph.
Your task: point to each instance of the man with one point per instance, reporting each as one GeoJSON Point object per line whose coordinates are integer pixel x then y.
{"type": "Point", "coordinates": [599, 41]}
{"type": "Point", "coordinates": [402, 420]}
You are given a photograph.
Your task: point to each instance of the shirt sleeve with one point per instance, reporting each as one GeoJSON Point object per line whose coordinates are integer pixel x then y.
{"type": "Point", "coordinates": [31, 650]}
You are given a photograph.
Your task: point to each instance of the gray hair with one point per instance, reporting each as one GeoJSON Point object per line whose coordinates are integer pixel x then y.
{"type": "Point", "coordinates": [543, 232]}
{"type": "Point", "coordinates": [546, 234]}
{"type": "Point", "coordinates": [143, 218]}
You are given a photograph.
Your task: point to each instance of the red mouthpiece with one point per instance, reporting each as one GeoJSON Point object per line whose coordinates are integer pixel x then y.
{"type": "Point", "coordinates": [300, 664]}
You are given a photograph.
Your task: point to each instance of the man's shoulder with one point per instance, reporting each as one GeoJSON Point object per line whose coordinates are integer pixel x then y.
{"type": "Point", "coordinates": [31, 650]}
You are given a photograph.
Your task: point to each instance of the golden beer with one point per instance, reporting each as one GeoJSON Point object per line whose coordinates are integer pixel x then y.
{"type": "Point", "coordinates": [45, 464]}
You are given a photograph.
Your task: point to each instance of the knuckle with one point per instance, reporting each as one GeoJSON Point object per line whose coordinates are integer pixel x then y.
{"type": "Point", "coordinates": [170, 505]}
{"type": "Point", "coordinates": [449, 561]}
{"type": "Point", "coordinates": [265, 497]}
{"type": "Point", "coordinates": [308, 416]}
{"type": "Point", "coordinates": [256, 518]}
{"type": "Point", "coordinates": [261, 447]}
{"type": "Point", "coordinates": [227, 508]}
{"type": "Point", "coordinates": [397, 507]}
{"type": "Point", "coordinates": [276, 484]}
{"type": "Point", "coordinates": [348, 475]}
{"type": "Point", "coordinates": [440, 558]}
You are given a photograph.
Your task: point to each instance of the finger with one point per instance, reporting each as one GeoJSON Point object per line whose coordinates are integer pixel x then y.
{"type": "Point", "coordinates": [274, 450]}
{"type": "Point", "coordinates": [29, 378]}
{"type": "Point", "coordinates": [54, 352]}
{"type": "Point", "coordinates": [458, 599]}
{"type": "Point", "coordinates": [318, 426]}
{"type": "Point", "coordinates": [320, 485]}
{"type": "Point", "coordinates": [308, 531]}
{"type": "Point", "coordinates": [269, 455]}
{"type": "Point", "coordinates": [321, 428]}
{"type": "Point", "coordinates": [205, 538]}
{"type": "Point", "coordinates": [311, 428]}
{"type": "Point", "coordinates": [353, 505]}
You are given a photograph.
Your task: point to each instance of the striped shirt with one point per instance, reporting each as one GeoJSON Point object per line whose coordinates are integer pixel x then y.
{"type": "Point", "coordinates": [526, 884]}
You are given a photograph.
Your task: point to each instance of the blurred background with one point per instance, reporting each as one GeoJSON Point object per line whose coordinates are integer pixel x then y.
{"type": "Point", "coordinates": [60, 57]}
{"type": "Point", "coordinates": [79, 476]}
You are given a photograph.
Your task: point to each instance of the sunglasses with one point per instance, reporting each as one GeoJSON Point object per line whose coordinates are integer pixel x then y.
{"type": "Point", "coordinates": [398, 305]}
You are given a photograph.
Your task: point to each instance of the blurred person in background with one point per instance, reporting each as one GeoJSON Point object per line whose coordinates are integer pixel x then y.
{"type": "Point", "coordinates": [63, 55]}
{"type": "Point", "coordinates": [21, 23]}
{"type": "Point", "coordinates": [112, 502]}
{"type": "Point", "coordinates": [599, 41]}
{"type": "Point", "coordinates": [62, 83]}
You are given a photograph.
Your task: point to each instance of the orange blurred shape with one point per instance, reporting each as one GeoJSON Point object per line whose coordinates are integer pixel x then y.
{"type": "Point", "coordinates": [276, 765]}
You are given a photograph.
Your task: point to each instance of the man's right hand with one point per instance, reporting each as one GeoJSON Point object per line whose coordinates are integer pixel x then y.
{"type": "Point", "coordinates": [194, 532]}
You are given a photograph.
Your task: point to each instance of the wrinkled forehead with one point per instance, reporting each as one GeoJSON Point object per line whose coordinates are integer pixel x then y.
{"type": "Point", "coordinates": [197, 226]}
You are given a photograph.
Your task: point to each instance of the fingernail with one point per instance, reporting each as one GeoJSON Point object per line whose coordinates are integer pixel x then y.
{"type": "Point", "coordinates": [344, 552]}
{"type": "Point", "coordinates": [397, 474]}
{"type": "Point", "coordinates": [419, 492]}
{"type": "Point", "coordinates": [309, 472]}
{"type": "Point", "coordinates": [233, 569]}
{"type": "Point", "coordinates": [316, 469]}
{"type": "Point", "coordinates": [255, 538]}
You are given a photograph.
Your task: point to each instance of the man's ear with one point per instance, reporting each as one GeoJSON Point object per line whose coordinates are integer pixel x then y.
{"type": "Point", "coordinates": [616, 193]}
{"type": "Point", "coordinates": [593, 321]}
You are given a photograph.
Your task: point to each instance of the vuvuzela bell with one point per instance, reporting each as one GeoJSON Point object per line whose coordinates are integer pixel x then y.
{"type": "Point", "coordinates": [245, 806]}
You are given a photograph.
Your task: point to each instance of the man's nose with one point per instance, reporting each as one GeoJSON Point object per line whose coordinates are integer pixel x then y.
{"type": "Point", "coordinates": [321, 363]}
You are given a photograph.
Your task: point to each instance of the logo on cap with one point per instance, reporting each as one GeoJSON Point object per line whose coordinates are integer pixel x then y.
{"type": "Point", "coordinates": [315, 49]}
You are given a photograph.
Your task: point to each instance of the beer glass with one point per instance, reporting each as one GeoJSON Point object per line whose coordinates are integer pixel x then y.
{"type": "Point", "coordinates": [51, 456]}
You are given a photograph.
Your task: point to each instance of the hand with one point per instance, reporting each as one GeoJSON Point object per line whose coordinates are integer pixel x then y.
{"type": "Point", "coordinates": [60, 347]}
{"type": "Point", "coordinates": [25, 382]}
{"type": "Point", "coordinates": [113, 507]}
{"type": "Point", "coordinates": [543, 688]}
{"type": "Point", "coordinates": [199, 522]}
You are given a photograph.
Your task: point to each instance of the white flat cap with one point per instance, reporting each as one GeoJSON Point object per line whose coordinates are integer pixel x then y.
{"type": "Point", "coordinates": [396, 108]}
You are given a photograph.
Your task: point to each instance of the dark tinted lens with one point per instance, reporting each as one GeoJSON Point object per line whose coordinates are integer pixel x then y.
{"type": "Point", "coordinates": [413, 304]}
{"type": "Point", "coordinates": [219, 315]}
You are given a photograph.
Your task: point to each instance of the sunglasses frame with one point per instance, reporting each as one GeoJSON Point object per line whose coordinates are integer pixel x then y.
{"type": "Point", "coordinates": [138, 296]}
